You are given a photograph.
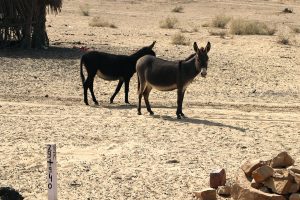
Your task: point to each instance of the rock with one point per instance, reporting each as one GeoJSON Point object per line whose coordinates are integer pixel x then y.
{"type": "Point", "coordinates": [296, 176]}
{"type": "Point", "coordinates": [262, 173]}
{"type": "Point", "coordinates": [256, 185]}
{"type": "Point", "coordinates": [283, 159]}
{"type": "Point", "coordinates": [249, 166]}
{"type": "Point", "coordinates": [217, 178]}
{"type": "Point", "coordinates": [242, 190]}
{"type": "Point", "coordinates": [264, 189]}
{"type": "Point", "coordinates": [294, 188]}
{"type": "Point", "coordinates": [206, 194]}
{"type": "Point", "coordinates": [224, 190]}
{"type": "Point", "coordinates": [278, 185]}
{"type": "Point", "coordinates": [283, 174]}
{"type": "Point", "coordinates": [295, 169]}
{"type": "Point", "coordinates": [295, 196]}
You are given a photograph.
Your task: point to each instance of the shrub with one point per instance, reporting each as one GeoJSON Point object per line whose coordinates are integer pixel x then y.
{"type": "Point", "coordinates": [177, 9]}
{"type": "Point", "coordinates": [218, 33]}
{"type": "Point", "coordinates": [287, 10]}
{"type": "Point", "coordinates": [168, 23]}
{"type": "Point", "coordinates": [296, 29]}
{"type": "Point", "coordinates": [85, 9]}
{"type": "Point", "coordinates": [179, 39]}
{"type": "Point", "coordinates": [245, 27]}
{"type": "Point", "coordinates": [220, 21]}
{"type": "Point", "coordinates": [205, 25]}
{"type": "Point", "coordinates": [98, 22]}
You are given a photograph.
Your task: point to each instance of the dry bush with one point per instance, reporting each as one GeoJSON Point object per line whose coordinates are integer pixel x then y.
{"type": "Point", "coordinates": [247, 27]}
{"type": "Point", "coordinates": [168, 23]}
{"type": "Point", "coordinates": [222, 33]}
{"type": "Point", "coordinates": [287, 10]}
{"type": "Point", "coordinates": [284, 39]}
{"type": "Point", "coordinates": [285, 36]}
{"type": "Point", "coordinates": [205, 25]}
{"type": "Point", "coordinates": [179, 39]}
{"type": "Point", "coordinates": [220, 21]}
{"type": "Point", "coordinates": [98, 22]}
{"type": "Point", "coordinates": [85, 9]}
{"type": "Point", "coordinates": [296, 29]}
{"type": "Point", "coordinates": [178, 9]}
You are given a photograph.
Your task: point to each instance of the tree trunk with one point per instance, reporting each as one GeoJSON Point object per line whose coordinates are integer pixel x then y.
{"type": "Point", "coordinates": [39, 36]}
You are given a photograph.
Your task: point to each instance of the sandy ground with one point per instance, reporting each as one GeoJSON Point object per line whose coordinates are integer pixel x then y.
{"type": "Point", "coordinates": [247, 107]}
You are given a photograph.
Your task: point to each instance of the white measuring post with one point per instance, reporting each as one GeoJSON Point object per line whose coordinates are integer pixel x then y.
{"type": "Point", "coordinates": [51, 172]}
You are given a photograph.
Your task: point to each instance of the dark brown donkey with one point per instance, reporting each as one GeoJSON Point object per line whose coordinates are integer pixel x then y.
{"type": "Point", "coordinates": [110, 67]}
{"type": "Point", "coordinates": [168, 75]}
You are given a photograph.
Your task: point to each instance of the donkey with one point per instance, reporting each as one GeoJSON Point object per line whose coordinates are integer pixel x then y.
{"type": "Point", "coordinates": [110, 67]}
{"type": "Point", "coordinates": [166, 75]}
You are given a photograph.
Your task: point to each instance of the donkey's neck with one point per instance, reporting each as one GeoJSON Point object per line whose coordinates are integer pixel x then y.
{"type": "Point", "coordinates": [191, 68]}
{"type": "Point", "coordinates": [135, 56]}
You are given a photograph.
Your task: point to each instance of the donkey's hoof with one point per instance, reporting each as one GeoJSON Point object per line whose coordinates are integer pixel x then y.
{"type": "Point", "coordinates": [96, 103]}
{"type": "Point", "coordinates": [178, 117]}
{"type": "Point", "coordinates": [86, 103]}
{"type": "Point", "coordinates": [139, 113]}
{"type": "Point", "coordinates": [151, 113]}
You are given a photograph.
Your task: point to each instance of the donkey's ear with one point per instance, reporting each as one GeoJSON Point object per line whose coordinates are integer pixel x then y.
{"type": "Point", "coordinates": [152, 45]}
{"type": "Point", "coordinates": [196, 47]}
{"type": "Point", "coordinates": [207, 48]}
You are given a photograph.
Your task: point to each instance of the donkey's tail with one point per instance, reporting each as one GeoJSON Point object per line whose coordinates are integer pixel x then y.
{"type": "Point", "coordinates": [81, 70]}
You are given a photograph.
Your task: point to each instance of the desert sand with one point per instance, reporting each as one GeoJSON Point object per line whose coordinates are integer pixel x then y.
{"type": "Point", "coordinates": [248, 106]}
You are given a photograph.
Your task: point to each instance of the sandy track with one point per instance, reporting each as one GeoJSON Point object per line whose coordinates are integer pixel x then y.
{"type": "Point", "coordinates": [248, 106]}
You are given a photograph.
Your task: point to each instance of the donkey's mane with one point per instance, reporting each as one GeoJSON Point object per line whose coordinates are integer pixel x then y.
{"type": "Point", "coordinates": [191, 56]}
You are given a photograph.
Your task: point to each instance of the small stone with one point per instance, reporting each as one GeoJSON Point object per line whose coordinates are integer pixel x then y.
{"type": "Point", "coordinates": [262, 173]}
{"type": "Point", "coordinates": [256, 185]}
{"type": "Point", "coordinates": [224, 190]}
{"type": "Point", "coordinates": [295, 196]}
{"type": "Point", "coordinates": [46, 95]}
{"type": "Point", "coordinates": [249, 166]}
{"type": "Point", "coordinates": [217, 178]}
{"type": "Point", "coordinates": [206, 194]}
{"type": "Point", "coordinates": [283, 159]}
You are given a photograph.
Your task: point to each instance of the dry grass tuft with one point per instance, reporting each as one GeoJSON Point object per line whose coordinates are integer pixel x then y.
{"type": "Point", "coordinates": [178, 9]}
{"type": "Point", "coordinates": [287, 10]}
{"type": "Point", "coordinates": [98, 22]}
{"type": "Point", "coordinates": [222, 33]}
{"type": "Point", "coordinates": [247, 27]}
{"type": "Point", "coordinates": [296, 29]}
{"type": "Point", "coordinates": [285, 36]}
{"type": "Point", "coordinates": [205, 25]}
{"type": "Point", "coordinates": [85, 9]}
{"type": "Point", "coordinates": [220, 21]}
{"type": "Point", "coordinates": [168, 23]}
{"type": "Point", "coordinates": [179, 39]}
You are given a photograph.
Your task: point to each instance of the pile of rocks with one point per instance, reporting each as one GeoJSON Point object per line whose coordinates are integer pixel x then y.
{"type": "Point", "coordinates": [275, 179]}
{"type": "Point", "coordinates": [256, 179]}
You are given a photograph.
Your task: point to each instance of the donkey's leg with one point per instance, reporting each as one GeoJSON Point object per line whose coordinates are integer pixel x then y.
{"type": "Point", "coordinates": [85, 89]}
{"type": "Point", "coordinates": [146, 98]}
{"type": "Point", "coordinates": [141, 90]}
{"type": "Point", "coordinates": [181, 113]}
{"type": "Point", "coordinates": [116, 91]}
{"type": "Point", "coordinates": [180, 94]}
{"type": "Point", "coordinates": [126, 89]}
{"type": "Point", "coordinates": [91, 87]}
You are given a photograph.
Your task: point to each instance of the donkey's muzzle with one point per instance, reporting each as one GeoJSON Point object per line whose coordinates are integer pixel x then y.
{"type": "Point", "coordinates": [203, 72]}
